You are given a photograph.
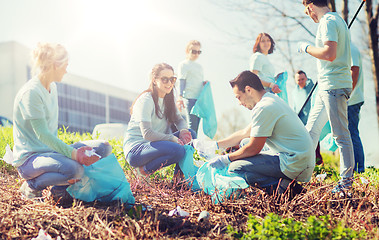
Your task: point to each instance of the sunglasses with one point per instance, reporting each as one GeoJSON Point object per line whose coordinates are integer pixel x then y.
{"type": "Point", "coordinates": [166, 80]}
{"type": "Point", "coordinates": [195, 52]}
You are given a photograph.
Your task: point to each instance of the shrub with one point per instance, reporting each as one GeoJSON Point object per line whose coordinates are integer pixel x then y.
{"type": "Point", "coordinates": [276, 227]}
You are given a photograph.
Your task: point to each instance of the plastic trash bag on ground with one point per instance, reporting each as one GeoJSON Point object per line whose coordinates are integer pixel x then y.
{"type": "Point", "coordinates": [219, 183]}
{"type": "Point", "coordinates": [103, 181]}
{"type": "Point", "coordinates": [8, 156]}
{"type": "Point", "coordinates": [189, 169]}
{"type": "Point", "coordinates": [206, 149]}
{"type": "Point", "coordinates": [204, 108]}
{"type": "Point", "coordinates": [42, 235]}
{"type": "Point", "coordinates": [178, 212]}
{"type": "Point", "coordinates": [281, 81]}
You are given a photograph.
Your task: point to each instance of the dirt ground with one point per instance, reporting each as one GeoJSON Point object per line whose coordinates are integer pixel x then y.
{"type": "Point", "coordinates": [149, 219]}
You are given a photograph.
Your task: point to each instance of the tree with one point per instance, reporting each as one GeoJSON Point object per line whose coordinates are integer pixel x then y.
{"type": "Point", "coordinates": [231, 121]}
{"type": "Point", "coordinates": [372, 22]}
{"type": "Point", "coordinates": [295, 26]}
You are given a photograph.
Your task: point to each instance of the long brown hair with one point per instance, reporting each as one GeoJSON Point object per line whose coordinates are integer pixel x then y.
{"type": "Point", "coordinates": [256, 47]}
{"type": "Point", "coordinates": [168, 100]}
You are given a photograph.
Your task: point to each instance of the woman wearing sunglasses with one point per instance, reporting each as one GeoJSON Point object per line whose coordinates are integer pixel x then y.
{"type": "Point", "coordinates": [190, 74]}
{"type": "Point", "coordinates": [149, 144]}
{"type": "Point", "coordinates": [259, 63]}
{"type": "Point", "coordinates": [41, 158]}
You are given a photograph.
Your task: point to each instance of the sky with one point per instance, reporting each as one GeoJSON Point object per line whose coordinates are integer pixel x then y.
{"type": "Point", "coordinates": [119, 41]}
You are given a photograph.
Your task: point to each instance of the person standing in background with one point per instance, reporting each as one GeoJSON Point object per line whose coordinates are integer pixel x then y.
{"type": "Point", "coordinates": [259, 63]}
{"type": "Point", "coordinates": [191, 82]}
{"type": "Point", "coordinates": [300, 93]}
{"type": "Point", "coordinates": [354, 107]}
{"type": "Point", "coordinates": [333, 55]}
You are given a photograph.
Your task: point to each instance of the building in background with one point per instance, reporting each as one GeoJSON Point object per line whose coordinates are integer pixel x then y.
{"type": "Point", "coordinates": [83, 103]}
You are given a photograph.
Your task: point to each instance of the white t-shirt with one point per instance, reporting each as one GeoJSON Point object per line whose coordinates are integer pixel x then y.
{"type": "Point", "coordinates": [33, 101]}
{"type": "Point", "coordinates": [144, 111]}
{"type": "Point", "coordinates": [261, 63]}
{"type": "Point", "coordinates": [192, 72]}
{"type": "Point", "coordinates": [357, 94]}
{"type": "Point", "coordinates": [336, 74]}
{"type": "Point", "coordinates": [286, 136]}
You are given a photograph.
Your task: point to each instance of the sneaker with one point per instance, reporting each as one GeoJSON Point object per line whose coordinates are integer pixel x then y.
{"type": "Point", "coordinates": [319, 161]}
{"type": "Point", "coordinates": [144, 177]}
{"type": "Point", "coordinates": [61, 196]}
{"type": "Point", "coordinates": [342, 190]}
{"type": "Point", "coordinates": [283, 185]}
{"type": "Point", "coordinates": [28, 192]}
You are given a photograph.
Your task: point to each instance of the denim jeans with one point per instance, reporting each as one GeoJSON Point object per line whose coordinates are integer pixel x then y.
{"type": "Point", "coordinates": [54, 169]}
{"type": "Point", "coordinates": [262, 169]}
{"type": "Point", "coordinates": [192, 120]}
{"type": "Point", "coordinates": [353, 116]}
{"type": "Point", "coordinates": [155, 155]}
{"type": "Point", "coordinates": [332, 105]}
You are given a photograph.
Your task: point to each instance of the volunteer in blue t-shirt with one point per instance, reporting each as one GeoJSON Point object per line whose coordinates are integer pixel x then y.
{"type": "Point", "coordinates": [41, 158]}
{"type": "Point", "coordinates": [290, 156]}
{"type": "Point", "coordinates": [191, 82]}
{"type": "Point", "coordinates": [333, 55]}
{"type": "Point", "coordinates": [354, 107]}
{"type": "Point", "coordinates": [149, 144]}
{"type": "Point", "coordinates": [260, 64]}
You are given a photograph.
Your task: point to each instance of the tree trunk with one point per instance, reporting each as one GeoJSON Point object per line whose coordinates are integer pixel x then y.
{"type": "Point", "coordinates": [345, 11]}
{"type": "Point", "coordinates": [372, 22]}
{"type": "Point", "coordinates": [332, 5]}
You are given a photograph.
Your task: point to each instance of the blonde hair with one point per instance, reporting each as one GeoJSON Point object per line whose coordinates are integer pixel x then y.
{"type": "Point", "coordinates": [46, 55]}
{"type": "Point", "coordinates": [191, 44]}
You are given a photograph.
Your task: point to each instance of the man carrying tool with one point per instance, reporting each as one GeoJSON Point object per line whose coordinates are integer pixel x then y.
{"type": "Point", "coordinates": [303, 87]}
{"type": "Point", "coordinates": [333, 55]}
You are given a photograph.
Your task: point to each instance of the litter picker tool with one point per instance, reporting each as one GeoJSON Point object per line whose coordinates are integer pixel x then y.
{"type": "Point", "coordinates": [314, 86]}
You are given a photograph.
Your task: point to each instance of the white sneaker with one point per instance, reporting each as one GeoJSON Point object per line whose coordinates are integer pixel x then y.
{"type": "Point", "coordinates": [28, 192]}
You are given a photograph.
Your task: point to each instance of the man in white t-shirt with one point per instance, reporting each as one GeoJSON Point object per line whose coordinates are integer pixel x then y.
{"type": "Point", "coordinates": [332, 52]}
{"type": "Point", "coordinates": [291, 156]}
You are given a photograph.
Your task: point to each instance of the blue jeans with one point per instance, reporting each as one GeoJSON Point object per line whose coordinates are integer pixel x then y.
{"type": "Point", "coordinates": [155, 155]}
{"type": "Point", "coordinates": [262, 169]}
{"type": "Point", "coordinates": [332, 105]}
{"type": "Point", "coordinates": [192, 120]}
{"type": "Point", "coordinates": [55, 169]}
{"type": "Point", "coordinates": [353, 116]}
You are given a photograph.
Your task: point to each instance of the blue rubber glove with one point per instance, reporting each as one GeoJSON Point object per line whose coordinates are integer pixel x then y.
{"type": "Point", "coordinates": [220, 161]}
{"type": "Point", "coordinates": [302, 47]}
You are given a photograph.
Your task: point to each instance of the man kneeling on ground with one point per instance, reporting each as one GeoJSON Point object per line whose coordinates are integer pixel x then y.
{"type": "Point", "coordinates": [290, 154]}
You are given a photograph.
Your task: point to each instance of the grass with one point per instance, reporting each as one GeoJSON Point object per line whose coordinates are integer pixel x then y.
{"type": "Point", "coordinates": [313, 215]}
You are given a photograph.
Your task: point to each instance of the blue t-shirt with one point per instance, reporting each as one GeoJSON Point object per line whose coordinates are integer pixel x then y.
{"type": "Point", "coordinates": [286, 136]}
{"type": "Point", "coordinates": [33, 101]}
{"type": "Point", "coordinates": [192, 72]}
{"type": "Point", "coordinates": [299, 95]}
{"type": "Point", "coordinates": [336, 74]}
{"type": "Point", "coordinates": [261, 63]}
{"type": "Point", "coordinates": [357, 94]}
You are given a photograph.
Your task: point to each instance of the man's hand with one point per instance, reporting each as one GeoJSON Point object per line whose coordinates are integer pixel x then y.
{"type": "Point", "coordinates": [185, 136]}
{"type": "Point", "coordinates": [220, 161]}
{"type": "Point", "coordinates": [302, 47]}
{"type": "Point", "coordinates": [178, 141]}
{"type": "Point", "coordinates": [84, 158]}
